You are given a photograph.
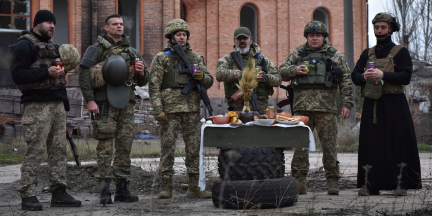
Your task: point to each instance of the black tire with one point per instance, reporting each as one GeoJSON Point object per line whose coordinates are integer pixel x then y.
{"type": "Point", "coordinates": [245, 163]}
{"type": "Point", "coordinates": [245, 194]}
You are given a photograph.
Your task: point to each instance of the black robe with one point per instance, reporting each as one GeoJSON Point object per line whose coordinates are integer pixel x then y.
{"type": "Point", "coordinates": [391, 142]}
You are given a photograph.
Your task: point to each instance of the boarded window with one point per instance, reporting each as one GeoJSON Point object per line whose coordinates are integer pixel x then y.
{"type": "Point", "coordinates": [249, 19]}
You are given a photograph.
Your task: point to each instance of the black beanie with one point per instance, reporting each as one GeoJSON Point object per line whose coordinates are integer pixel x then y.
{"type": "Point", "coordinates": [43, 16]}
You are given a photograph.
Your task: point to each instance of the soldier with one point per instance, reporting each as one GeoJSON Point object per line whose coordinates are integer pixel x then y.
{"type": "Point", "coordinates": [316, 71]}
{"type": "Point", "coordinates": [45, 103]}
{"type": "Point", "coordinates": [229, 72]}
{"type": "Point", "coordinates": [173, 109]}
{"type": "Point", "coordinates": [106, 76]}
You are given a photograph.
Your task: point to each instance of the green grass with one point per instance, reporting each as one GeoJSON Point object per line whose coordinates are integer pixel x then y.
{"type": "Point", "coordinates": [347, 149]}
{"type": "Point", "coordinates": [424, 147]}
{"type": "Point", "coordinates": [11, 159]}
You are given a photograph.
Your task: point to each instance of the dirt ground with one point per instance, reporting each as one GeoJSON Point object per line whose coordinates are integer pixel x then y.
{"type": "Point", "coordinates": [145, 184]}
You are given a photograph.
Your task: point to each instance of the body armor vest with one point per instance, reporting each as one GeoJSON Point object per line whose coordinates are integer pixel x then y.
{"type": "Point", "coordinates": [387, 65]}
{"type": "Point", "coordinates": [177, 76]}
{"type": "Point", "coordinates": [109, 50]}
{"type": "Point", "coordinates": [262, 91]}
{"type": "Point", "coordinates": [47, 53]}
{"type": "Point", "coordinates": [318, 76]}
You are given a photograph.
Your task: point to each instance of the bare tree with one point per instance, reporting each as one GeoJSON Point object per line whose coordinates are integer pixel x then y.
{"type": "Point", "coordinates": [406, 11]}
{"type": "Point", "coordinates": [427, 32]}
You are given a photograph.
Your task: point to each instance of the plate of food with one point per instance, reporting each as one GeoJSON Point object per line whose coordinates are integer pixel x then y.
{"type": "Point", "coordinates": [287, 120]}
{"type": "Point", "coordinates": [263, 121]}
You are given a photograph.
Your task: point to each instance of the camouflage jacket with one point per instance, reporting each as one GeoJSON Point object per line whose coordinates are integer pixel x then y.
{"type": "Point", "coordinates": [226, 73]}
{"type": "Point", "coordinates": [100, 94]}
{"type": "Point", "coordinates": [171, 100]}
{"type": "Point", "coordinates": [321, 100]}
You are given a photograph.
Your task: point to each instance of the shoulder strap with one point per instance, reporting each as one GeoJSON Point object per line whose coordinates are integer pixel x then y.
{"type": "Point", "coordinates": [371, 51]}
{"type": "Point", "coordinates": [395, 50]}
{"type": "Point", "coordinates": [28, 36]}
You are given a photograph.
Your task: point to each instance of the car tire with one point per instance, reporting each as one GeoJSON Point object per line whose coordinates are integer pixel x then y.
{"type": "Point", "coordinates": [246, 194]}
{"type": "Point", "coordinates": [245, 163]}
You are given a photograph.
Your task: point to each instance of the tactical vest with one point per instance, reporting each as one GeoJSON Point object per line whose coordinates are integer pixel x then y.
{"type": "Point", "coordinates": [387, 65]}
{"type": "Point", "coordinates": [318, 76]}
{"type": "Point", "coordinates": [175, 78]}
{"type": "Point", "coordinates": [262, 91]}
{"type": "Point", "coordinates": [47, 53]}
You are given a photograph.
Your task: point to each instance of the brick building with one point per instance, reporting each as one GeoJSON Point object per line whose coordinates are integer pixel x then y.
{"type": "Point", "coordinates": [277, 26]}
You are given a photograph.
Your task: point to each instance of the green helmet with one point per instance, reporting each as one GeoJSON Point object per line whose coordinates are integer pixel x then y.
{"type": "Point", "coordinates": [176, 25]}
{"type": "Point", "coordinates": [316, 27]}
{"type": "Point", "coordinates": [70, 56]}
{"type": "Point", "coordinates": [116, 74]}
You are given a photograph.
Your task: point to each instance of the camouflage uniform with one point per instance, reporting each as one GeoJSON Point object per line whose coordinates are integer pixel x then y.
{"type": "Point", "coordinates": [124, 118]}
{"type": "Point", "coordinates": [44, 126]}
{"type": "Point", "coordinates": [227, 72]}
{"type": "Point", "coordinates": [320, 106]}
{"type": "Point", "coordinates": [181, 110]}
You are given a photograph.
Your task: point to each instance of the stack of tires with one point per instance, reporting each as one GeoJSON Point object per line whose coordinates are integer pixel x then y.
{"type": "Point", "coordinates": [253, 178]}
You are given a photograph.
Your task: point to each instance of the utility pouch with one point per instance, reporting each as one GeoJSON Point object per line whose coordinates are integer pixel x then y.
{"type": "Point", "coordinates": [103, 130]}
{"type": "Point", "coordinates": [373, 88]}
{"type": "Point", "coordinates": [96, 76]}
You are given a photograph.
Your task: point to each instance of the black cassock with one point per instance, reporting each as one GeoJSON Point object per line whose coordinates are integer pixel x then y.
{"type": "Point", "coordinates": [391, 143]}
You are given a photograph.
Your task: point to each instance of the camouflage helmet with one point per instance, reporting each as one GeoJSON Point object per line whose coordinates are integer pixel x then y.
{"type": "Point", "coordinates": [385, 17]}
{"type": "Point", "coordinates": [316, 27]}
{"type": "Point", "coordinates": [176, 25]}
{"type": "Point", "coordinates": [70, 56]}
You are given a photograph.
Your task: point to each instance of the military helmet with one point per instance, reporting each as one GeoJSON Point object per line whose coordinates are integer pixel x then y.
{"type": "Point", "coordinates": [385, 17]}
{"type": "Point", "coordinates": [116, 74]}
{"type": "Point", "coordinates": [70, 56]}
{"type": "Point", "coordinates": [316, 27]}
{"type": "Point", "coordinates": [176, 25]}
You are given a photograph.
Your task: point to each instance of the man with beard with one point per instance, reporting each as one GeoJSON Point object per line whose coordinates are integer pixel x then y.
{"type": "Point", "coordinates": [229, 72]}
{"type": "Point", "coordinates": [45, 102]}
{"type": "Point", "coordinates": [107, 71]}
{"type": "Point", "coordinates": [316, 71]}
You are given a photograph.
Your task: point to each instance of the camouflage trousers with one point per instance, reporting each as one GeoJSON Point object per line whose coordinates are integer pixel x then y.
{"type": "Point", "coordinates": [122, 143]}
{"type": "Point", "coordinates": [44, 127]}
{"type": "Point", "coordinates": [325, 125]}
{"type": "Point", "coordinates": [191, 128]}
{"type": "Point", "coordinates": [238, 105]}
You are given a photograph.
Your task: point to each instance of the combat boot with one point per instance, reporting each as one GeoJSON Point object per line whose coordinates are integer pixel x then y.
{"type": "Point", "coordinates": [104, 187]}
{"type": "Point", "coordinates": [194, 191]}
{"type": "Point", "coordinates": [31, 204]}
{"type": "Point", "coordinates": [332, 187]}
{"type": "Point", "coordinates": [166, 187]}
{"type": "Point", "coordinates": [301, 187]}
{"type": "Point", "coordinates": [122, 193]}
{"type": "Point", "coordinates": [60, 198]}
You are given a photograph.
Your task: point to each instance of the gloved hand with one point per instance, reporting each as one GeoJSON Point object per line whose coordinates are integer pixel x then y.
{"type": "Point", "coordinates": [198, 75]}
{"type": "Point", "coordinates": [160, 117]}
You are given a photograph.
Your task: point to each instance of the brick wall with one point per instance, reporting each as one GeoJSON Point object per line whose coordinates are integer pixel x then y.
{"type": "Point", "coordinates": [212, 23]}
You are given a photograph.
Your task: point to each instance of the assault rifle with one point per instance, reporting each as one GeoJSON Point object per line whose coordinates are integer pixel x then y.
{"type": "Point", "coordinates": [178, 49]}
{"type": "Point", "coordinates": [254, 98]}
{"type": "Point", "coordinates": [290, 98]}
{"type": "Point", "coordinates": [74, 148]}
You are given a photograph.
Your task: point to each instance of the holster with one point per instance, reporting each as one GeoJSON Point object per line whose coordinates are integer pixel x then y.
{"type": "Point", "coordinates": [102, 127]}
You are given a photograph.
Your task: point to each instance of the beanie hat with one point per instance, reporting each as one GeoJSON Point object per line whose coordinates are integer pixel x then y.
{"type": "Point", "coordinates": [43, 16]}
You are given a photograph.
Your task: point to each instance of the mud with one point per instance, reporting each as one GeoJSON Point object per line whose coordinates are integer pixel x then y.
{"type": "Point", "coordinates": [144, 183]}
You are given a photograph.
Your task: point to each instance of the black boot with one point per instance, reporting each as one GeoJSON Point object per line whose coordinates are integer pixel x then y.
{"type": "Point", "coordinates": [31, 204]}
{"type": "Point", "coordinates": [122, 193]}
{"type": "Point", "coordinates": [105, 197]}
{"type": "Point", "coordinates": [60, 198]}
